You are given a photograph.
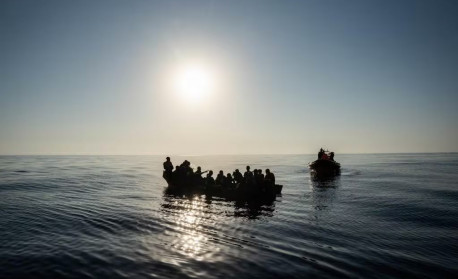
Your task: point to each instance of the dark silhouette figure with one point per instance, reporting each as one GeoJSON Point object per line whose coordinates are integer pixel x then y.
{"type": "Point", "coordinates": [325, 156]}
{"type": "Point", "coordinates": [176, 173]}
{"type": "Point", "coordinates": [198, 180]}
{"type": "Point", "coordinates": [186, 169]}
{"type": "Point", "coordinates": [229, 181]}
{"type": "Point", "coordinates": [168, 168]}
{"type": "Point", "coordinates": [209, 180]}
{"type": "Point", "coordinates": [320, 153]}
{"type": "Point", "coordinates": [331, 156]}
{"type": "Point", "coordinates": [269, 181]}
{"type": "Point", "coordinates": [248, 176]}
{"type": "Point", "coordinates": [199, 171]}
{"type": "Point", "coordinates": [238, 177]}
{"type": "Point", "coordinates": [220, 178]}
{"type": "Point", "coordinates": [259, 180]}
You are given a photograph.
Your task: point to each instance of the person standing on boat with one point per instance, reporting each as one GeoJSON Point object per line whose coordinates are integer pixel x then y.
{"type": "Point", "coordinates": [331, 156]}
{"type": "Point", "coordinates": [168, 168]}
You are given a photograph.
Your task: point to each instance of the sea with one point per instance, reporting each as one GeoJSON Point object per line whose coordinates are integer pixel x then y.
{"type": "Point", "coordinates": [385, 216]}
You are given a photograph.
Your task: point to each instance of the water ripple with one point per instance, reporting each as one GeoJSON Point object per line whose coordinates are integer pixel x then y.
{"type": "Point", "coordinates": [108, 216]}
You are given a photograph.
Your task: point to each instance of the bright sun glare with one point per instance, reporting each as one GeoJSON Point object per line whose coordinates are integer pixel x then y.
{"type": "Point", "coordinates": [194, 83]}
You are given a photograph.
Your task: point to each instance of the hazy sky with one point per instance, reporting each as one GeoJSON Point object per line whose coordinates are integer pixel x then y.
{"type": "Point", "coordinates": [97, 77]}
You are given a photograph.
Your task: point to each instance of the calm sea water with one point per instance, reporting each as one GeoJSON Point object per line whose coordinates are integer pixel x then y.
{"type": "Point", "coordinates": [108, 217]}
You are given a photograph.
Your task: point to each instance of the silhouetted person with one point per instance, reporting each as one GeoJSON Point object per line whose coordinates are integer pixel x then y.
{"type": "Point", "coordinates": [185, 170]}
{"type": "Point", "coordinates": [168, 168]}
{"type": "Point", "coordinates": [331, 156]}
{"type": "Point", "coordinates": [198, 180]}
{"type": "Point", "coordinates": [270, 178]}
{"type": "Point", "coordinates": [325, 156]}
{"type": "Point", "coordinates": [255, 172]}
{"type": "Point", "coordinates": [259, 179]}
{"type": "Point", "coordinates": [238, 177]}
{"type": "Point", "coordinates": [320, 153]}
{"type": "Point", "coordinates": [220, 178]}
{"type": "Point", "coordinates": [209, 180]}
{"type": "Point", "coordinates": [199, 171]}
{"type": "Point", "coordinates": [248, 176]}
{"type": "Point", "coordinates": [176, 174]}
{"type": "Point", "coordinates": [181, 172]}
{"type": "Point", "coordinates": [229, 181]}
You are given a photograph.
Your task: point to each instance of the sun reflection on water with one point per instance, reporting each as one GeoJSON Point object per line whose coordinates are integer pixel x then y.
{"type": "Point", "coordinates": [191, 239]}
{"type": "Point", "coordinates": [195, 225]}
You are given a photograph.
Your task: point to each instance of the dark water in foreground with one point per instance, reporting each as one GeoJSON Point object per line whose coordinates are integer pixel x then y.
{"type": "Point", "coordinates": [108, 217]}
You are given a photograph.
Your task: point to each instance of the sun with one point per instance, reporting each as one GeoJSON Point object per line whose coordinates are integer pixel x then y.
{"type": "Point", "coordinates": [194, 83]}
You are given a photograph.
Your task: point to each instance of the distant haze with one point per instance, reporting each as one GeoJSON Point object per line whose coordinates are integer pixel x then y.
{"type": "Point", "coordinates": [99, 77]}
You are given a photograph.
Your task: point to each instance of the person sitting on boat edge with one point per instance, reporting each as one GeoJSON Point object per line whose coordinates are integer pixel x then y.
{"type": "Point", "coordinates": [168, 168]}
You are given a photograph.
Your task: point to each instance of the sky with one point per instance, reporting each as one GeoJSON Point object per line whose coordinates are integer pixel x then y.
{"type": "Point", "coordinates": [279, 77]}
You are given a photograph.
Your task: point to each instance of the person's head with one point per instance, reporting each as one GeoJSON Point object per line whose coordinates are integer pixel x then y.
{"type": "Point", "coordinates": [198, 168]}
{"type": "Point", "coordinates": [210, 173]}
{"type": "Point", "coordinates": [221, 172]}
{"type": "Point", "coordinates": [267, 171]}
{"type": "Point", "coordinates": [229, 174]}
{"type": "Point", "coordinates": [260, 171]}
{"type": "Point", "coordinates": [236, 170]}
{"type": "Point", "coordinates": [248, 168]}
{"type": "Point", "coordinates": [168, 159]}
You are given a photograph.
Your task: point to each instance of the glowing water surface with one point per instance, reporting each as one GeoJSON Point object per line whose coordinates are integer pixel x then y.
{"type": "Point", "coordinates": [110, 216]}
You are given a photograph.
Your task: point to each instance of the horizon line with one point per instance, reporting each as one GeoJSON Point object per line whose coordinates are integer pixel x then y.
{"type": "Point", "coordinates": [234, 154]}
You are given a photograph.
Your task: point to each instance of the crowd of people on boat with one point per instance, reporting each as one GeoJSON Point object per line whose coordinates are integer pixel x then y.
{"type": "Point", "coordinates": [325, 155]}
{"type": "Point", "coordinates": [185, 175]}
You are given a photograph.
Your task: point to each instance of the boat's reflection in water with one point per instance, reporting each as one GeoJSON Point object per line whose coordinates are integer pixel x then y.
{"type": "Point", "coordinates": [324, 191]}
{"type": "Point", "coordinates": [196, 221]}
